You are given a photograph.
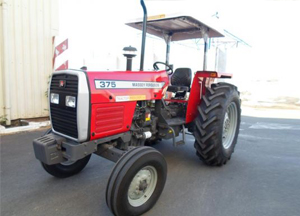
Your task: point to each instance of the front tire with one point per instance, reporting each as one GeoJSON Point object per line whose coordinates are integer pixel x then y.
{"type": "Point", "coordinates": [67, 168]}
{"type": "Point", "coordinates": [217, 125]}
{"type": "Point", "coordinates": [136, 182]}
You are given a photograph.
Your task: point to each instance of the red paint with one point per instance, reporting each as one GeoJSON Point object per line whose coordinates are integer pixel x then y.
{"type": "Point", "coordinates": [111, 118]}
{"type": "Point", "coordinates": [103, 95]}
{"type": "Point", "coordinates": [194, 99]}
{"type": "Point", "coordinates": [201, 80]}
{"type": "Point", "coordinates": [59, 49]}
{"type": "Point", "coordinates": [64, 66]}
{"type": "Point", "coordinates": [214, 74]}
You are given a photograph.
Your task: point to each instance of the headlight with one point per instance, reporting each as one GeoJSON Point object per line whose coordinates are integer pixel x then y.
{"type": "Point", "coordinates": [54, 98]}
{"type": "Point", "coordinates": [71, 101]}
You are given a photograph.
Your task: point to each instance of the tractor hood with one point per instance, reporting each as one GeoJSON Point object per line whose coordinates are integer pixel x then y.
{"type": "Point", "coordinates": [117, 86]}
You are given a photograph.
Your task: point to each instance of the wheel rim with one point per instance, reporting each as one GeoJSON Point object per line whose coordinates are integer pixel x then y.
{"type": "Point", "coordinates": [67, 163]}
{"type": "Point", "coordinates": [229, 125]}
{"type": "Point", "coordinates": [142, 186]}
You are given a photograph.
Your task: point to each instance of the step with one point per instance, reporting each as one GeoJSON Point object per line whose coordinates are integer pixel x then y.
{"type": "Point", "coordinates": [176, 121]}
{"type": "Point", "coordinates": [181, 142]}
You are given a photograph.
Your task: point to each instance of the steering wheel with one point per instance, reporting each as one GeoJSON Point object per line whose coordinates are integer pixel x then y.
{"type": "Point", "coordinates": [169, 69]}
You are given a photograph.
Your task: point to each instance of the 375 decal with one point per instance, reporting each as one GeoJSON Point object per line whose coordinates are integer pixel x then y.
{"type": "Point", "coordinates": [106, 84]}
{"type": "Point", "coordinates": [115, 84]}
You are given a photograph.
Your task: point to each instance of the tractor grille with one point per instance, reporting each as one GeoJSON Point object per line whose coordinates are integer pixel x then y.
{"type": "Point", "coordinates": [63, 118]}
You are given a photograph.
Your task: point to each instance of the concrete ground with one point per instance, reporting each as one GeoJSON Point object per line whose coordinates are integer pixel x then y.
{"type": "Point", "coordinates": [262, 178]}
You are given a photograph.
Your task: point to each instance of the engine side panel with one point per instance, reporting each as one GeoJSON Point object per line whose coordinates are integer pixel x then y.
{"type": "Point", "coordinates": [111, 118]}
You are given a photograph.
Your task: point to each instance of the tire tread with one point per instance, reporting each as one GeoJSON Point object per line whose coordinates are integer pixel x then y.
{"type": "Point", "coordinates": [208, 143]}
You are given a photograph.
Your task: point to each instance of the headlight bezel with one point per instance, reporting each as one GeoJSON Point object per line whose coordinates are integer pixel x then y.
{"type": "Point", "coordinates": [54, 98]}
{"type": "Point", "coordinates": [70, 101]}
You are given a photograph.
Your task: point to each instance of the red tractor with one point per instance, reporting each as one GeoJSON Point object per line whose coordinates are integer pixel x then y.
{"type": "Point", "coordinates": [118, 114]}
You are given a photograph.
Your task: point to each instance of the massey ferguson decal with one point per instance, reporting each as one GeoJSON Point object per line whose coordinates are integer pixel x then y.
{"type": "Point", "coordinates": [62, 83]}
{"type": "Point", "coordinates": [115, 84]}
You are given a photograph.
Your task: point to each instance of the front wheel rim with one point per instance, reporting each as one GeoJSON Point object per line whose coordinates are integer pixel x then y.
{"type": "Point", "coordinates": [142, 186]}
{"type": "Point", "coordinates": [67, 163]}
{"type": "Point", "coordinates": [229, 125]}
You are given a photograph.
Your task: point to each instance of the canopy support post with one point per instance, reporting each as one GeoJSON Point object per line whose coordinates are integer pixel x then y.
{"type": "Point", "coordinates": [168, 43]}
{"type": "Point", "coordinates": [205, 38]}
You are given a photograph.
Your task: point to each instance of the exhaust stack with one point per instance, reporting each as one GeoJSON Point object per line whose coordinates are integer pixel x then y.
{"type": "Point", "coordinates": [143, 35]}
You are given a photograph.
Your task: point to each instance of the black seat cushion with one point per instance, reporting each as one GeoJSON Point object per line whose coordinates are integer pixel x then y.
{"type": "Point", "coordinates": [182, 77]}
{"type": "Point", "coordinates": [173, 88]}
{"type": "Point", "coordinates": [181, 81]}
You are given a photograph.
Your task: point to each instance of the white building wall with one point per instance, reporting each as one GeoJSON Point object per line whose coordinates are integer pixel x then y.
{"type": "Point", "coordinates": [1, 65]}
{"type": "Point", "coordinates": [26, 55]}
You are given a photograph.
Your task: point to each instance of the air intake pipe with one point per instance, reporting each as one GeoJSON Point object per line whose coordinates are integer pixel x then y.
{"type": "Point", "coordinates": [129, 53]}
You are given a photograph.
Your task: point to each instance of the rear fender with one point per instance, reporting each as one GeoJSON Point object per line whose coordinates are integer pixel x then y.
{"type": "Point", "coordinates": [213, 74]}
{"type": "Point", "coordinates": [201, 80]}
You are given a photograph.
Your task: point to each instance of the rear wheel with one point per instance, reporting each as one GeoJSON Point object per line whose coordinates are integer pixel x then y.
{"type": "Point", "coordinates": [217, 126]}
{"type": "Point", "coordinates": [67, 168]}
{"type": "Point", "coordinates": [136, 182]}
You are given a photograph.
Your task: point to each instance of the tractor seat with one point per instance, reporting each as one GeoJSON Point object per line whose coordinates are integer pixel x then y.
{"type": "Point", "coordinates": [181, 80]}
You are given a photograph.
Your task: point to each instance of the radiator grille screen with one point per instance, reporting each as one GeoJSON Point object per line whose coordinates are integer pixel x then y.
{"type": "Point", "coordinates": [64, 119]}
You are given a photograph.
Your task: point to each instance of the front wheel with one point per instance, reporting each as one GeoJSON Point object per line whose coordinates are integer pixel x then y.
{"type": "Point", "coordinates": [217, 126]}
{"type": "Point", "coordinates": [67, 168]}
{"type": "Point", "coordinates": [136, 182]}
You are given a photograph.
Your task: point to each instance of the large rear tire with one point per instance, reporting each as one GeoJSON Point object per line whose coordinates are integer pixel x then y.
{"type": "Point", "coordinates": [136, 182]}
{"type": "Point", "coordinates": [217, 126]}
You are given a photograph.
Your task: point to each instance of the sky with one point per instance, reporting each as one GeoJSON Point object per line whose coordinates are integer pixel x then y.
{"type": "Point", "coordinates": [97, 34]}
